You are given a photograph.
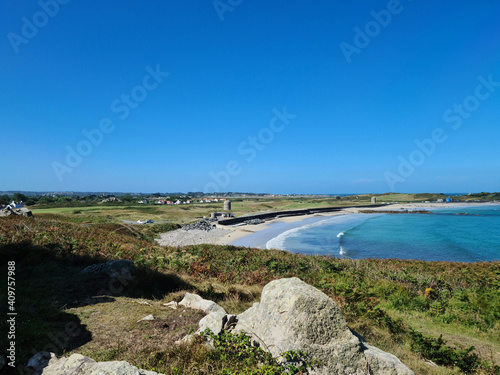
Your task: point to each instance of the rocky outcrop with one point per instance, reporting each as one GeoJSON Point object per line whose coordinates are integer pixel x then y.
{"type": "Point", "coordinates": [217, 318]}
{"type": "Point", "coordinates": [116, 268]}
{"type": "Point", "coordinates": [17, 211]}
{"type": "Point", "coordinates": [44, 363]}
{"type": "Point", "coordinates": [194, 301]}
{"type": "Point", "coordinates": [293, 315]}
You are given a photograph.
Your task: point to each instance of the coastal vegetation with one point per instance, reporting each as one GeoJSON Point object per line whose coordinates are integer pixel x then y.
{"type": "Point", "coordinates": [437, 317]}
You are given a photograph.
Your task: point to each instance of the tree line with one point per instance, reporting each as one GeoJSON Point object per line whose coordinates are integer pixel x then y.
{"type": "Point", "coordinates": [61, 199]}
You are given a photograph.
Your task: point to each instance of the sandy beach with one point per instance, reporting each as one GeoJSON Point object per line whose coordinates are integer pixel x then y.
{"type": "Point", "coordinates": [226, 235]}
{"type": "Point", "coordinates": [246, 230]}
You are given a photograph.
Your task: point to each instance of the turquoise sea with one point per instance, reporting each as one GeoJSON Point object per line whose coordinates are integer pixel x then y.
{"type": "Point", "coordinates": [444, 235]}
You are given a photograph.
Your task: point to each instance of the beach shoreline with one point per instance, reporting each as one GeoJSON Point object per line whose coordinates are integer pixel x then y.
{"type": "Point", "coordinates": [261, 233]}
{"type": "Point", "coordinates": [246, 230]}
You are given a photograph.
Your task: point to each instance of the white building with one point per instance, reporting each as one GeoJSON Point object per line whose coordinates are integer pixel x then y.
{"type": "Point", "coordinates": [15, 205]}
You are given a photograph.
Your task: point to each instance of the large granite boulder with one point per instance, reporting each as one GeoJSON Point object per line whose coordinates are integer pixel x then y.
{"type": "Point", "coordinates": [293, 315]}
{"type": "Point", "coordinates": [44, 363]}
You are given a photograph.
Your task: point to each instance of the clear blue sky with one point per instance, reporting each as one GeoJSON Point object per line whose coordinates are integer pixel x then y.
{"type": "Point", "coordinates": [356, 83]}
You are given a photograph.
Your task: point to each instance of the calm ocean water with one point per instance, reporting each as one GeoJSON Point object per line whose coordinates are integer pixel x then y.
{"type": "Point", "coordinates": [441, 236]}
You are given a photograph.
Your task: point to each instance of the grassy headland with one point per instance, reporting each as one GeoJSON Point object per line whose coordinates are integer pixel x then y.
{"type": "Point", "coordinates": [400, 306]}
{"type": "Point", "coordinates": [95, 211]}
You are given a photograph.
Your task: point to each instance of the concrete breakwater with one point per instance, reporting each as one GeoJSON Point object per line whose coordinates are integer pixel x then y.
{"type": "Point", "coordinates": [278, 214]}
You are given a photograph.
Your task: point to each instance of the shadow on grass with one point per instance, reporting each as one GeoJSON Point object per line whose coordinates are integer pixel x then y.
{"type": "Point", "coordinates": [48, 283]}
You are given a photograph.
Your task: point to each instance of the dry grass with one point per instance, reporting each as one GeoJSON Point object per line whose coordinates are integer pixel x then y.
{"type": "Point", "coordinates": [117, 333]}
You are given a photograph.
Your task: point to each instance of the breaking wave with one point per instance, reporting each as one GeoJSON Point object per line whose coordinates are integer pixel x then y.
{"type": "Point", "coordinates": [343, 222]}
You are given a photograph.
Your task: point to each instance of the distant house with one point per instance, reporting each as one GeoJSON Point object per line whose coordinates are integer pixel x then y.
{"type": "Point", "coordinates": [145, 201]}
{"type": "Point", "coordinates": [15, 205]}
{"type": "Point", "coordinates": [110, 199]}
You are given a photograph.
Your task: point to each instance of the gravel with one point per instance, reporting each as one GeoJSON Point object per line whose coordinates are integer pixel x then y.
{"type": "Point", "coordinates": [202, 225]}
{"type": "Point", "coordinates": [197, 233]}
